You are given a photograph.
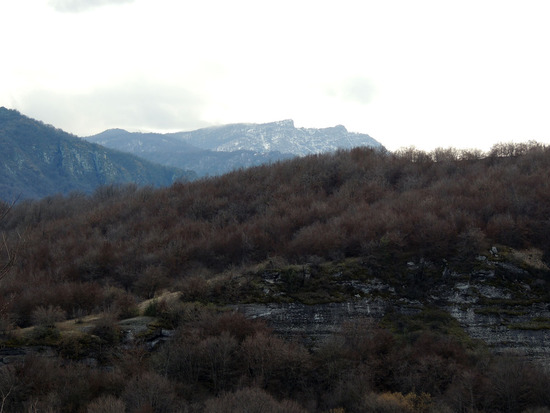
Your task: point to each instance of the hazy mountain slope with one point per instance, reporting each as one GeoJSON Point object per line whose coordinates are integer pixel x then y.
{"type": "Point", "coordinates": [138, 142]}
{"type": "Point", "coordinates": [172, 150]}
{"type": "Point", "coordinates": [216, 150]}
{"type": "Point", "coordinates": [280, 136]}
{"type": "Point", "coordinates": [39, 160]}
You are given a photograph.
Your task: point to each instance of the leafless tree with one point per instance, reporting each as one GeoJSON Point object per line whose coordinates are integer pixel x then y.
{"type": "Point", "coordinates": [10, 258]}
{"type": "Point", "coordinates": [10, 254]}
{"type": "Point", "coordinates": [7, 259]}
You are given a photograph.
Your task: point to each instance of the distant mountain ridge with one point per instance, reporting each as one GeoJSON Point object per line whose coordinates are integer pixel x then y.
{"type": "Point", "coordinates": [38, 160]}
{"type": "Point", "coordinates": [281, 136]}
{"type": "Point", "coordinates": [219, 149]}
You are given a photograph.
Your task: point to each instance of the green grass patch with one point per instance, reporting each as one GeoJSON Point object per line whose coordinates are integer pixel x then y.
{"type": "Point", "coordinates": [529, 326]}
{"type": "Point", "coordinates": [537, 323]}
{"type": "Point", "coordinates": [494, 310]}
{"type": "Point", "coordinates": [432, 320]}
{"type": "Point", "coordinates": [499, 302]}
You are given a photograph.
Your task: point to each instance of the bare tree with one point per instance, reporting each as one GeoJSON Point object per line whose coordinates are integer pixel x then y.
{"type": "Point", "coordinates": [10, 258]}
{"type": "Point", "coordinates": [9, 253]}
{"type": "Point", "coordinates": [7, 260]}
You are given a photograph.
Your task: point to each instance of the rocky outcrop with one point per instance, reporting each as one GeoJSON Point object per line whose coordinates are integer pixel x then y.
{"type": "Point", "coordinates": [314, 323]}
{"type": "Point", "coordinates": [9, 355]}
{"type": "Point", "coordinates": [501, 302]}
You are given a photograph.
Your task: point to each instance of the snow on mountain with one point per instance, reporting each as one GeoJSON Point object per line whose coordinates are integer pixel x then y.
{"type": "Point", "coordinates": [281, 136]}
{"type": "Point", "coordinates": [220, 149]}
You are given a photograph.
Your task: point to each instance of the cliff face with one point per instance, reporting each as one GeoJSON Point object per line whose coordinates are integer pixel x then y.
{"type": "Point", "coordinates": [314, 323]}
{"type": "Point", "coordinates": [502, 302]}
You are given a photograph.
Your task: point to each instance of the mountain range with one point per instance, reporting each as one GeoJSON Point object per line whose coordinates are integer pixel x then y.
{"type": "Point", "coordinates": [38, 160]}
{"type": "Point", "coordinates": [220, 149]}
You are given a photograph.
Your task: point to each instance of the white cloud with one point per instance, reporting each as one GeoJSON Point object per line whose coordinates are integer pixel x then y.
{"type": "Point", "coordinates": [138, 104]}
{"type": "Point", "coordinates": [358, 89]}
{"type": "Point", "coordinates": [427, 73]}
{"type": "Point", "coordinates": [75, 6]}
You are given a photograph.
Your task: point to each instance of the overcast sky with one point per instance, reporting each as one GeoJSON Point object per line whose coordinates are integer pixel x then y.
{"type": "Point", "coordinates": [431, 74]}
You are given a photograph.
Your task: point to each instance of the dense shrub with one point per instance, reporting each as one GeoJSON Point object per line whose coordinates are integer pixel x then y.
{"type": "Point", "coordinates": [397, 403]}
{"type": "Point", "coordinates": [221, 362]}
{"type": "Point", "coordinates": [107, 330]}
{"type": "Point", "coordinates": [251, 400]}
{"type": "Point", "coordinates": [106, 404]}
{"type": "Point", "coordinates": [149, 392]}
{"type": "Point", "coordinates": [439, 205]}
{"type": "Point", "coordinates": [48, 316]}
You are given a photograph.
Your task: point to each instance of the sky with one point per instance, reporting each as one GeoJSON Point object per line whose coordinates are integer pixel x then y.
{"type": "Point", "coordinates": [428, 74]}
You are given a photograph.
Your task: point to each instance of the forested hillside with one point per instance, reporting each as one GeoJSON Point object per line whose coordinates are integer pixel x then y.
{"type": "Point", "coordinates": [38, 160]}
{"type": "Point", "coordinates": [359, 202]}
{"type": "Point", "coordinates": [213, 240]}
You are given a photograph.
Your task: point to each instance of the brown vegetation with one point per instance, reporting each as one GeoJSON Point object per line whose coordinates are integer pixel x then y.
{"type": "Point", "coordinates": [108, 252]}
{"type": "Point", "coordinates": [447, 204]}
{"type": "Point", "coordinates": [220, 361]}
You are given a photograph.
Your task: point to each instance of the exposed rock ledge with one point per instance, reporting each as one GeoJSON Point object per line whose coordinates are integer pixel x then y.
{"type": "Point", "coordinates": [501, 303]}
{"type": "Point", "coordinates": [315, 323]}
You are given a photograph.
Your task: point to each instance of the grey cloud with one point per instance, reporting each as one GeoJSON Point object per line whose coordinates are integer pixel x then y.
{"type": "Point", "coordinates": [133, 105]}
{"type": "Point", "coordinates": [75, 6]}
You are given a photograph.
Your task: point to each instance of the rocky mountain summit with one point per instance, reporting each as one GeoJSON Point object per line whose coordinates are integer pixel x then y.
{"type": "Point", "coordinates": [219, 149]}
{"type": "Point", "coordinates": [280, 136]}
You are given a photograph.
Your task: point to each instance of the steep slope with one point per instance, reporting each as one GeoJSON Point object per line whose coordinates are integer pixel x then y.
{"type": "Point", "coordinates": [39, 160]}
{"type": "Point", "coordinates": [216, 150]}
